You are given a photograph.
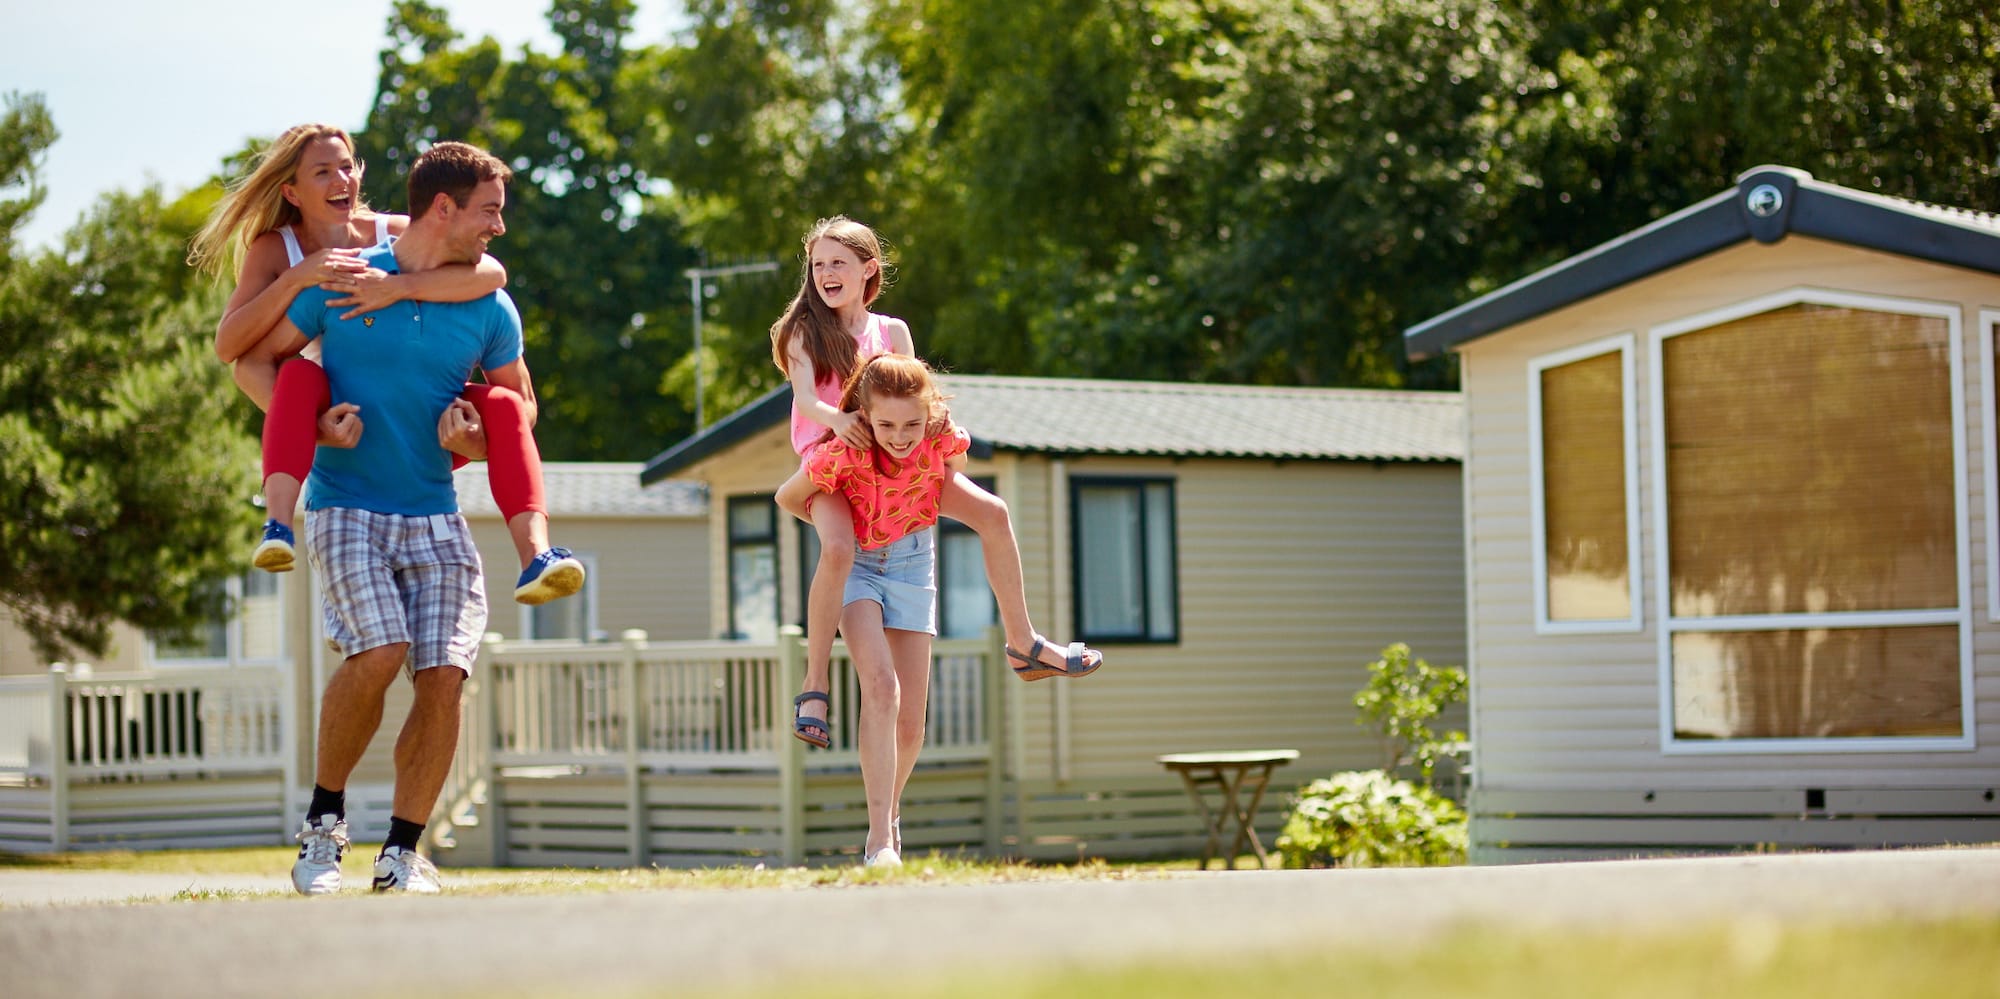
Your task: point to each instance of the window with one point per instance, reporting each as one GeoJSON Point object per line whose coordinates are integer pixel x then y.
{"type": "Point", "coordinates": [253, 635]}
{"type": "Point", "coordinates": [1123, 551]}
{"type": "Point", "coordinates": [573, 618]}
{"type": "Point", "coordinates": [1809, 508]}
{"type": "Point", "coordinates": [1584, 490]}
{"type": "Point", "coordinates": [753, 569]}
{"type": "Point", "coordinates": [965, 600]}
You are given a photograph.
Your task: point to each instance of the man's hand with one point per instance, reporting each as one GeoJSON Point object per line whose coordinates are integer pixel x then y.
{"type": "Point", "coordinates": [340, 425]}
{"type": "Point", "coordinates": [459, 431]}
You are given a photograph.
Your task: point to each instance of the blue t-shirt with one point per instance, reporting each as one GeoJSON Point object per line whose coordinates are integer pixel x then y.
{"type": "Point", "coordinates": [402, 365]}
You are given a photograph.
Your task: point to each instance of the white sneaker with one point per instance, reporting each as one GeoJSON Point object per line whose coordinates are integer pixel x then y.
{"type": "Point", "coordinates": [398, 869]}
{"type": "Point", "coordinates": [321, 844]}
{"type": "Point", "coordinates": [885, 857]}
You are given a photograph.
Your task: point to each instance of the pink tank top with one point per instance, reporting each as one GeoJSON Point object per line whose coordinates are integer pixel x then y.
{"type": "Point", "coordinates": [807, 431]}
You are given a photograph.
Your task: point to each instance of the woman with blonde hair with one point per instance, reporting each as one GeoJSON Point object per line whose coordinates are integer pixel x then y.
{"type": "Point", "coordinates": [296, 221]}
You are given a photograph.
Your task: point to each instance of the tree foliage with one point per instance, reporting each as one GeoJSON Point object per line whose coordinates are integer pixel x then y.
{"type": "Point", "coordinates": [124, 493]}
{"type": "Point", "coordinates": [594, 269]}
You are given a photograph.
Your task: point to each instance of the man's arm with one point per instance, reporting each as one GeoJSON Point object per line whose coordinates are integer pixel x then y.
{"type": "Point", "coordinates": [514, 377]}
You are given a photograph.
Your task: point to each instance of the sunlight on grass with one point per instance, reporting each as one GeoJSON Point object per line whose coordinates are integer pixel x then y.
{"type": "Point", "coordinates": [938, 869]}
{"type": "Point", "coordinates": [1905, 958]}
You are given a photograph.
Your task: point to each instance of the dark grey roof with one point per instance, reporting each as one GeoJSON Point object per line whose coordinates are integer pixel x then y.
{"type": "Point", "coordinates": [1766, 204]}
{"type": "Point", "coordinates": [1087, 416]}
{"type": "Point", "coordinates": [590, 489]}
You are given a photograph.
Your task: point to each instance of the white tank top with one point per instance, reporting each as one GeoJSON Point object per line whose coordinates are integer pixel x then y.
{"type": "Point", "coordinates": [294, 255]}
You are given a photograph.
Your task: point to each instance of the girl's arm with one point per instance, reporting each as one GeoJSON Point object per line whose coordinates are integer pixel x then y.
{"type": "Point", "coordinates": [795, 495]}
{"type": "Point", "coordinates": [373, 289]}
{"type": "Point", "coordinates": [265, 289]}
{"type": "Point", "coordinates": [805, 395]}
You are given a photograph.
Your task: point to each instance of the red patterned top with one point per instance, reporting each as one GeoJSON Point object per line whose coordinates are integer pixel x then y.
{"type": "Point", "coordinates": [890, 499]}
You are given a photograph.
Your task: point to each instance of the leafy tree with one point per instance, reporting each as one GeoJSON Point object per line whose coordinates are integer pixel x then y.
{"type": "Point", "coordinates": [593, 261]}
{"type": "Point", "coordinates": [768, 116]}
{"type": "Point", "coordinates": [124, 493]}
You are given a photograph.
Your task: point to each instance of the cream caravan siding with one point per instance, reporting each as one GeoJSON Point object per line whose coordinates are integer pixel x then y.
{"type": "Point", "coordinates": [757, 466]}
{"type": "Point", "coordinates": [649, 573]}
{"type": "Point", "coordinates": [1581, 712]}
{"type": "Point", "coordinates": [1292, 576]}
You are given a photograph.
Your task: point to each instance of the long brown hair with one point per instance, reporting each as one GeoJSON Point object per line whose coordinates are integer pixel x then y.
{"type": "Point", "coordinates": [255, 204]}
{"type": "Point", "coordinates": [809, 322]}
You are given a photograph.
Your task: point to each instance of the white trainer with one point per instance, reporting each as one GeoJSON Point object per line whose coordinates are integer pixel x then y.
{"type": "Point", "coordinates": [885, 857]}
{"type": "Point", "coordinates": [398, 869]}
{"type": "Point", "coordinates": [321, 845]}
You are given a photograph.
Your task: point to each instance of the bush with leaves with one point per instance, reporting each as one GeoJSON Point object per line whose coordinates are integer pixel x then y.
{"type": "Point", "coordinates": [1403, 696]}
{"type": "Point", "coordinates": [1365, 818]}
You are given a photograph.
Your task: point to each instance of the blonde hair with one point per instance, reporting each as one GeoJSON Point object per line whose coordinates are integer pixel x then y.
{"type": "Point", "coordinates": [810, 322]}
{"type": "Point", "coordinates": [255, 204]}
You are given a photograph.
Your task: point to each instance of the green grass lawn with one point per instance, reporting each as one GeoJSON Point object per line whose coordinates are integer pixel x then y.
{"type": "Point", "coordinates": [276, 861]}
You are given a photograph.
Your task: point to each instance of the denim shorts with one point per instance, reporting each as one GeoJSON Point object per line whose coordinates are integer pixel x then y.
{"type": "Point", "coordinates": [902, 577]}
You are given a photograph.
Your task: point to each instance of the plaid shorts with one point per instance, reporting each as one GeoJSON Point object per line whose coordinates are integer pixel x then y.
{"type": "Point", "coordinates": [385, 578]}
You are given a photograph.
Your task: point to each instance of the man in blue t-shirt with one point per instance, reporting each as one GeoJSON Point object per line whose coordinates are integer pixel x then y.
{"type": "Point", "coordinates": [400, 581]}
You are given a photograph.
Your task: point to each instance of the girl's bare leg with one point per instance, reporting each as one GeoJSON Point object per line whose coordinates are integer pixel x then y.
{"type": "Point", "coordinates": [910, 651]}
{"type": "Point", "coordinates": [987, 515]}
{"type": "Point", "coordinates": [875, 672]}
{"type": "Point", "coordinates": [833, 520]}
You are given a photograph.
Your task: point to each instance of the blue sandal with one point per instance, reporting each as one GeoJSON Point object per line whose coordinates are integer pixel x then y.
{"type": "Point", "coordinates": [1074, 663]}
{"type": "Point", "coordinates": [801, 725]}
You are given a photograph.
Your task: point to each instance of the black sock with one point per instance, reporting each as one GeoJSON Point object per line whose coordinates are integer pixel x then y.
{"type": "Point", "coordinates": [403, 833]}
{"type": "Point", "coordinates": [326, 802]}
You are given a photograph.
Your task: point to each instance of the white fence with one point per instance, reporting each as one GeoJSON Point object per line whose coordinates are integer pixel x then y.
{"type": "Point", "coordinates": [639, 710]}
{"type": "Point", "coordinates": [67, 730]}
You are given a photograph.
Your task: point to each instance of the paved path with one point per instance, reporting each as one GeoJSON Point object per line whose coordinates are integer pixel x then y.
{"type": "Point", "coordinates": [673, 941]}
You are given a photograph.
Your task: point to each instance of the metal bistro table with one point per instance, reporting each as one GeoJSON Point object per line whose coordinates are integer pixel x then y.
{"type": "Point", "coordinates": [1233, 772]}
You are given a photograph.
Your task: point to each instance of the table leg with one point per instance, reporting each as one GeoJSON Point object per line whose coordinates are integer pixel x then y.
{"type": "Point", "coordinates": [1233, 811]}
{"type": "Point", "coordinates": [1248, 820]}
{"type": "Point", "coordinates": [1209, 822]}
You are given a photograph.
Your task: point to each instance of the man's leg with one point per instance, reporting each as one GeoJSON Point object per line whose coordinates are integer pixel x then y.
{"type": "Point", "coordinates": [349, 713]}
{"type": "Point", "coordinates": [444, 596]}
{"type": "Point", "coordinates": [429, 741]}
{"type": "Point", "coordinates": [351, 710]}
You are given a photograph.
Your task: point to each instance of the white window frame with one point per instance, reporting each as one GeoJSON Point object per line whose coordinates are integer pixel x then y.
{"type": "Point", "coordinates": [233, 657]}
{"type": "Point", "coordinates": [1989, 327]}
{"type": "Point", "coordinates": [1625, 345]}
{"type": "Point", "coordinates": [526, 617]}
{"type": "Point", "coordinates": [1671, 625]}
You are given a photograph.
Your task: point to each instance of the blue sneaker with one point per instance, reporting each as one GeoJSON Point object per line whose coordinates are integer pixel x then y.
{"type": "Point", "coordinates": [553, 575]}
{"type": "Point", "coordinates": [275, 553]}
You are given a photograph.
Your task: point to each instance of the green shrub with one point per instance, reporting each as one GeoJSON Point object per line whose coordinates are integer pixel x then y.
{"type": "Point", "coordinates": [1365, 818]}
{"type": "Point", "coordinates": [1401, 699]}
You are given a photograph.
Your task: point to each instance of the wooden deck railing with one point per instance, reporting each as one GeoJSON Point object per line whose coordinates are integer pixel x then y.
{"type": "Point", "coordinates": [638, 707]}
{"type": "Point", "coordinates": [69, 727]}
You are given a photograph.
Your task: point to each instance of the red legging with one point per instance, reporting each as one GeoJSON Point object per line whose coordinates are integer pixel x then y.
{"type": "Point", "coordinates": [513, 463]}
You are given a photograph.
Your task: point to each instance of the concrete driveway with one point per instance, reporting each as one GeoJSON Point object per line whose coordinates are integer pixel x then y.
{"type": "Point", "coordinates": [360, 945]}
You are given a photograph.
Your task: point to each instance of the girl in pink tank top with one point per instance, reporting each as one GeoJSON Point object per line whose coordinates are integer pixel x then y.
{"type": "Point", "coordinates": [824, 337]}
